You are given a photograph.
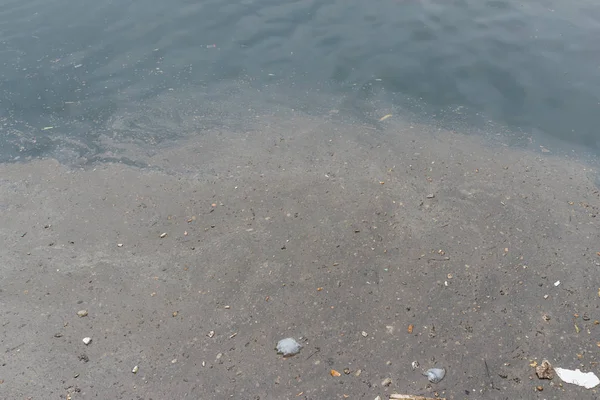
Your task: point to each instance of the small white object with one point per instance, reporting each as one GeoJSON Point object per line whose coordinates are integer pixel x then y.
{"type": "Point", "coordinates": [135, 369]}
{"type": "Point", "coordinates": [556, 283]}
{"type": "Point", "coordinates": [288, 347]}
{"type": "Point", "coordinates": [119, 244]}
{"type": "Point", "coordinates": [87, 340]}
{"type": "Point", "coordinates": [586, 379]}
{"type": "Point", "coordinates": [364, 334]}
{"type": "Point", "coordinates": [163, 235]}
{"type": "Point", "coordinates": [435, 375]}
{"type": "Point", "coordinates": [415, 365]}
{"type": "Point", "coordinates": [173, 361]}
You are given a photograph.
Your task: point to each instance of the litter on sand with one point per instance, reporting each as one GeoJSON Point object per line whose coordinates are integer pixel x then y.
{"type": "Point", "coordinates": [396, 396]}
{"type": "Point", "coordinates": [435, 375]}
{"type": "Point", "coordinates": [586, 379]}
{"type": "Point", "coordinates": [385, 117]}
{"type": "Point", "coordinates": [288, 347]}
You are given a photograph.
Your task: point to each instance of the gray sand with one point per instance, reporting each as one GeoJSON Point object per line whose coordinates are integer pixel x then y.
{"type": "Point", "coordinates": [312, 230]}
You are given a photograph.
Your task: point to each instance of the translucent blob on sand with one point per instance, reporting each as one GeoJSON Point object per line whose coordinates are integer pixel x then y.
{"type": "Point", "coordinates": [288, 347]}
{"type": "Point", "coordinates": [435, 375]}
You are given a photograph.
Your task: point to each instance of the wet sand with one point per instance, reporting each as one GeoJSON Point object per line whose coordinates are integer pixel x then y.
{"type": "Point", "coordinates": [309, 229]}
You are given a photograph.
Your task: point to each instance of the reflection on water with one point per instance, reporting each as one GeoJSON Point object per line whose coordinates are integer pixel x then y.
{"type": "Point", "coordinates": [150, 71]}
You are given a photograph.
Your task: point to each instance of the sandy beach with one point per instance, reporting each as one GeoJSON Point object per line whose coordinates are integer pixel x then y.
{"type": "Point", "coordinates": [373, 248]}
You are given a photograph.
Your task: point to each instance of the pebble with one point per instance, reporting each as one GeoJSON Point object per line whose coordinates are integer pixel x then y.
{"type": "Point", "coordinates": [87, 340]}
{"type": "Point", "coordinates": [211, 334]}
{"type": "Point", "coordinates": [365, 334]}
{"type": "Point", "coordinates": [135, 369]}
{"type": "Point", "coordinates": [163, 235]}
{"type": "Point", "coordinates": [173, 361]}
{"type": "Point", "coordinates": [386, 382]}
{"type": "Point", "coordinates": [82, 313]}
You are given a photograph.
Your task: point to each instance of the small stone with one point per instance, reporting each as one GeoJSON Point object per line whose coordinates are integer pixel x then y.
{"type": "Point", "coordinates": [358, 372]}
{"type": "Point", "coordinates": [163, 235]}
{"type": "Point", "coordinates": [87, 340]}
{"type": "Point", "coordinates": [227, 307]}
{"type": "Point", "coordinates": [119, 244]}
{"type": "Point", "coordinates": [173, 361]}
{"type": "Point", "coordinates": [539, 388]}
{"type": "Point", "coordinates": [211, 334]}
{"type": "Point", "coordinates": [175, 313]}
{"type": "Point", "coordinates": [82, 313]}
{"type": "Point", "coordinates": [135, 369]}
{"type": "Point", "coordinates": [346, 371]}
{"type": "Point", "coordinates": [415, 365]}
{"type": "Point", "coordinates": [430, 196]}
{"type": "Point", "coordinates": [386, 382]}
{"type": "Point", "coordinates": [364, 334]}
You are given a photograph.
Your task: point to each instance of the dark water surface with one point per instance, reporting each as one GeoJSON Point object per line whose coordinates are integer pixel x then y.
{"type": "Point", "coordinates": [78, 76]}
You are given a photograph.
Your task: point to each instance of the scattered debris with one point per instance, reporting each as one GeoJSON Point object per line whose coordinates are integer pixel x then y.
{"type": "Point", "coordinates": [364, 334]}
{"type": "Point", "coordinates": [47, 128]}
{"type": "Point", "coordinates": [386, 382]}
{"type": "Point", "coordinates": [539, 388]}
{"type": "Point", "coordinates": [430, 196]}
{"type": "Point", "coordinates": [288, 347]}
{"type": "Point", "coordinates": [119, 244]}
{"type": "Point", "coordinates": [587, 380]}
{"type": "Point", "coordinates": [173, 361]}
{"type": "Point", "coordinates": [358, 372]}
{"type": "Point", "coordinates": [347, 371]}
{"type": "Point", "coordinates": [163, 235]}
{"type": "Point", "coordinates": [334, 373]}
{"type": "Point", "coordinates": [233, 335]}
{"type": "Point", "coordinates": [84, 358]}
{"type": "Point", "coordinates": [556, 283]}
{"type": "Point", "coordinates": [415, 365]}
{"type": "Point", "coordinates": [175, 313]}
{"type": "Point", "coordinates": [435, 375]}
{"type": "Point", "coordinates": [227, 307]}
{"type": "Point", "coordinates": [410, 328]}
{"type": "Point", "coordinates": [211, 334]}
{"type": "Point", "coordinates": [396, 396]}
{"type": "Point", "coordinates": [546, 317]}
{"type": "Point", "coordinates": [544, 370]}
{"type": "Point", "coordinates": [135, 369]}
{"type": "Point", "coordinates": [87, 340]}
{"type": "Point", "coordinates": [82, 313]}
{"type": "Point", "coordinates": [385, 117]}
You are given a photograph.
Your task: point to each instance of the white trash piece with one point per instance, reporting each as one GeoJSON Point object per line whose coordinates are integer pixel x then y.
{"type": "Point", "coordinates": [288, 347]}
{"type": "Point", "coordinates": [586, 379]}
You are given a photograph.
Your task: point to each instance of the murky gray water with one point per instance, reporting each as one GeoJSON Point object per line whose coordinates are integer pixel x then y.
{"type": "Point", "coordinates": [78, 77]}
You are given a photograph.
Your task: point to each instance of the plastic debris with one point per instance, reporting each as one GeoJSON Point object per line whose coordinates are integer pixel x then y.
{"type": "Point", "coordinates": [135, 369]}
{"type": "Point", "coordinates": [435, 375]}
{"type": "Point", "coordinates": [333, 372]}
{"type": "Point", "coordinates": [544, 370]}
{"type": "Point", "coordinates": [415, 365]}
{"type": "Point", "coordinates": [396, 396]}
{"type": "Point", "coordinates": [87, 340]}
{"type": "Point", "coordinates": [386, 382]}
{"type": "Point", "coordinates": [288, 347]}
{"type": "Point", "coordinates": [556, 283]}
{"type": "Point", "coordinates": [385, 117]}
{"type": "Point", "coordinates": [587, 380]}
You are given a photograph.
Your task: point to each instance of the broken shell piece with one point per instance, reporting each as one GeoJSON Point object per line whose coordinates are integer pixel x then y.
{"type": "Point", "coordinates": [288, 347]}
{"type": "Point", "coordinates": [415, 365]}
{"type": "Point", "coordinates": [435, 375]}
{"type": "Point", "coordinates": [135, 369]}
{"type": "Point", "coordinates": [87, 340]}
{"type": "Point", "coordinates": [544, 370]}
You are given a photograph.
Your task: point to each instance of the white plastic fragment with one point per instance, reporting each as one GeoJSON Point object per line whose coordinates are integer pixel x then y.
{"type": "Point", "coordinates": [435, 375]}
{"type": "Point", "coordinates": [288, 347]}
{"type": "Point", "coordinates": [87, 340]}
{"type": "Point", "coordinates": [556, 283]}
{"type": "Point", "coordinates": [586, 379]}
